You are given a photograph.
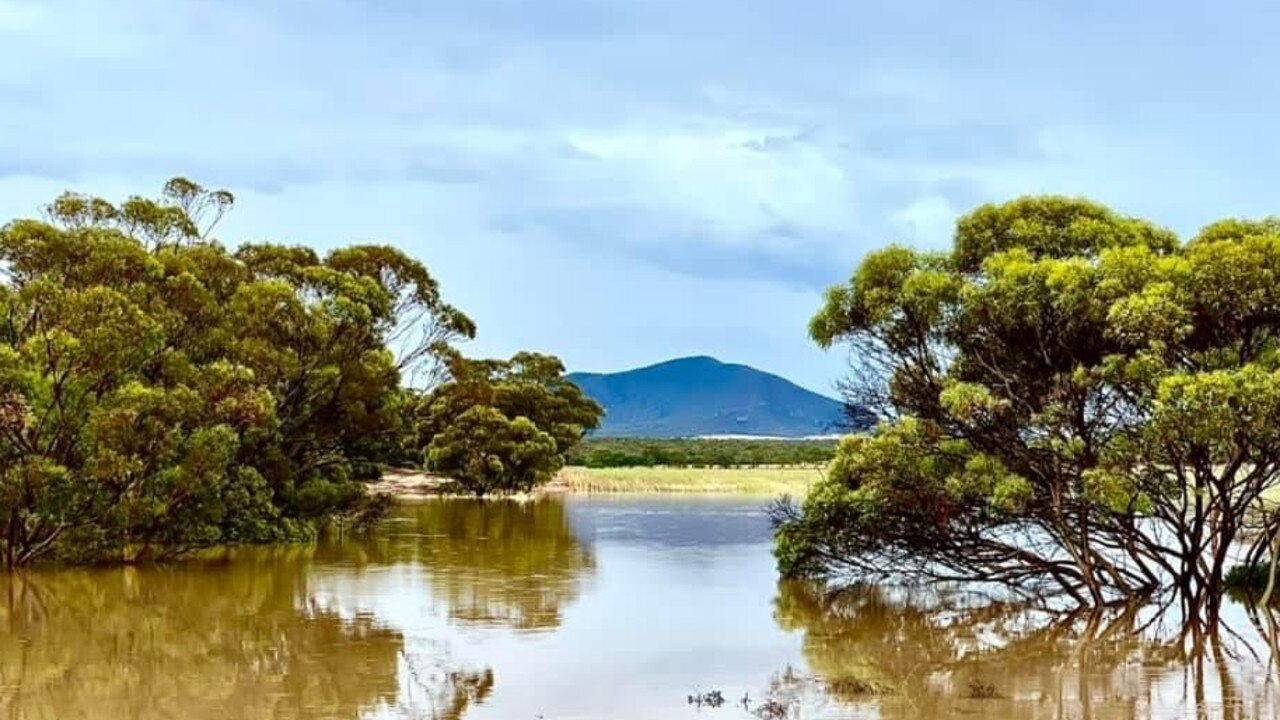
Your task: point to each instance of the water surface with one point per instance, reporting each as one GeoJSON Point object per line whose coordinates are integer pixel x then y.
{"type": "Point", "coordinates": [616, 608]}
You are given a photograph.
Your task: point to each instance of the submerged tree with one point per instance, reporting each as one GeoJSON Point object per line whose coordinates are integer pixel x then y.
{"type": "Point", "coordinates": [1072, 401]}
{"type": "Point", "coordinates": [504, 425]}
{"type": "Point", "coordinates": [160, 393]}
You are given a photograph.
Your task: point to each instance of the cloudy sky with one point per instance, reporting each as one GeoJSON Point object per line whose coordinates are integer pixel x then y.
{"type": "Point", "coordinates": [624, 181]}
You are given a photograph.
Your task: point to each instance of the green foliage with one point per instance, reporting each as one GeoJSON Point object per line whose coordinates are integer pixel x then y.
{"type": "Point", "coordinates": [1075, 402]}
{"type": "Point", "coordinates": [1247, 578]}
{"type": "Point", "coordinates": [1050, 227]}
{"type": "Point", "coordinates": [504, 426]}
{"type": "Point", "coordinates": [159, 393]}
{"type": "Point", "coordinates": [696, 453]}
{"type": "Point", "coordinates": [483, 450]}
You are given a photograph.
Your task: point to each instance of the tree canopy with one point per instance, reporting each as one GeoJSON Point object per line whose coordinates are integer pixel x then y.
{"type": "Point", "coordinates": [1072, 402]}
{"type": "Point", "coordinates": [159, 392]}
{"type": "Point", "coordinates": [504, 425]}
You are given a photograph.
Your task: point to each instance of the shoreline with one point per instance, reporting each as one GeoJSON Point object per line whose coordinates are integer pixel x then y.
{"type": "Point", "coordinates": [410, 484]}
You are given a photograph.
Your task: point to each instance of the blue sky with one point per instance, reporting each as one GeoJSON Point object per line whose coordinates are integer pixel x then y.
{"type": "Point", "coordinates": [623, 181]}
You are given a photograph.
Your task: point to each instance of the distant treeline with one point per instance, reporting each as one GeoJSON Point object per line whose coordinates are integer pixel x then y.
{"type": "Point", "coordinates": [645, 452]}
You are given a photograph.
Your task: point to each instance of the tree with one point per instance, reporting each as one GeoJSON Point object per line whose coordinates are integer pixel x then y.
{"type": "Point", "coordinates": [504, 426]}
{"type": "Point", "coordinates": [484, 451]}
{"type": "Point", "coordinates": [159, 393]}
{"type": "Point", "coordinates": [1073, 402]}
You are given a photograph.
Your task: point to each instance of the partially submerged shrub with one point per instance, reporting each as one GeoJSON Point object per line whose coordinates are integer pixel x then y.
{"type": "Point", "coordinates": [713, 699]}
{"type": "Point", "coordinates": [849, 687]}
{"type": "Point", "coordinates": [981, 690]}
{"type": "Point", "coordinates": [771, 710]}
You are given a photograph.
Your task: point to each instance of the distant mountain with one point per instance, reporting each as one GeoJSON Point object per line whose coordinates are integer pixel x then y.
{"type": "Point", "coordinates": [702, 396]}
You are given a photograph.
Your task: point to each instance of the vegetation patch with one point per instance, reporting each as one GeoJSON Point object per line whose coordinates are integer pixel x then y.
{"type": "Point", "coordinates": [700, 453]}
{"type": "Point", "coordinates": [1248, 579]}
{"type": "Point", "coordinates": [981, 690]}
{"type": "Point", "coordinates": [852, 687]}
{"type": "Point", "coordinates": [771, 709]}
{"type": "Point", "coordinates": [763, 482]}
{"type": "Point", "coordinates": [161, 393]}
{"type": "Point", "coordinates": [1063, 391]}
{"type": "Point", "coordinates": [502, 426]}
{"type": "Point", "coordinates": [712, 699]}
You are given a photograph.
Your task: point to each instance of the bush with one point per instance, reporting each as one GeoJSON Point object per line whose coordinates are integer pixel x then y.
{"type": "Point", "coordinates": [504, 425]}
{"type": "Point", "coordinates": [1248, 579]}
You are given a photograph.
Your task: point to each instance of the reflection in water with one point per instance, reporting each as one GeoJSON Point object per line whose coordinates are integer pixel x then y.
{"type": "Point", "coordinates": [953, 655]}
{"type": "Point", "coordinates": [271, 633]}
{"type": "Point", "coordinates": [663, 522]}
{"type": "Point", "coordinates": [241, 638]}
{"type": "Point", "coordinates": [497, 563]}
{"type": "Point", "coordinates": [261, 632]}
{"type": "Point", "coordinates": [430, 617]}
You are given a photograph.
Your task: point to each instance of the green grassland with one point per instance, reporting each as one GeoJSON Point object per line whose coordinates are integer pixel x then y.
{"type": "Point", "coordinates": [764, 482]}
{"type": "Point", "coordinates": [699, 452]}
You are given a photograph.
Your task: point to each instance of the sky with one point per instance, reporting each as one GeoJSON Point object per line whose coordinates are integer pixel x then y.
{"type": "Point", "coordinates": [620, 182]}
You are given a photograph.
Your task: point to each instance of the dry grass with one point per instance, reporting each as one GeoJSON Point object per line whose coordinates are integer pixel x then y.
{"type": "Point", "coordinates": [794, 481]}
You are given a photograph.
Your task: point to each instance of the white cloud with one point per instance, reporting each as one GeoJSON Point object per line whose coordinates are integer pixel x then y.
{"type": "Point", "coordinates": [620, 181]}
{"type": "Point", "coordinates": [927, 222]}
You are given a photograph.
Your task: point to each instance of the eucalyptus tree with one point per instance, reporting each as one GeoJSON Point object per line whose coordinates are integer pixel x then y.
{"type": "Point", "coordinates": [159, 392]}
{"type": "Point", "coordinates": [504, 425]}
{"type": "Point", "coordinates": [1072, 402]}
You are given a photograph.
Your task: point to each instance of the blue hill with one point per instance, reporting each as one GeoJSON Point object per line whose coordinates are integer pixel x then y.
{"type": "Point", "coordinates": [703, 396]}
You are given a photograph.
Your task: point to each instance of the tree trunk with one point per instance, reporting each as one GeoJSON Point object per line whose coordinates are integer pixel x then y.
{"type": "Point", "coordinates": [1274, 545]}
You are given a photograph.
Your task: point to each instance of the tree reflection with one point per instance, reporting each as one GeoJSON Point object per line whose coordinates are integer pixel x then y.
{"type": "Point", "coordinates": [505, 563]}
{"type": "Point", "coordinates": [938, 654]}
{"type": "Point", "coordinates": [240, 639]}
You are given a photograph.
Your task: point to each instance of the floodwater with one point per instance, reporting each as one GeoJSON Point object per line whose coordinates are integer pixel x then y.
{"type": "Point", "coordinates": [621, 609]}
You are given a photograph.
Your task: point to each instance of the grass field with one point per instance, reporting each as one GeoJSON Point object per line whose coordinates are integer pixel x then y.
{"type": "Point", "coordinates": [793, 481]}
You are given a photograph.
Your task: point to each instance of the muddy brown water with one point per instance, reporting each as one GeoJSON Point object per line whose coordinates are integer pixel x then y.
{"type": "Point", "coordinates": [620, 608]}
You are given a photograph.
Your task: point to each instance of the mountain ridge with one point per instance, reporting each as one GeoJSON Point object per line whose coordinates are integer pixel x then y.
{"type": "Point", "coordinates": [701, 395]}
